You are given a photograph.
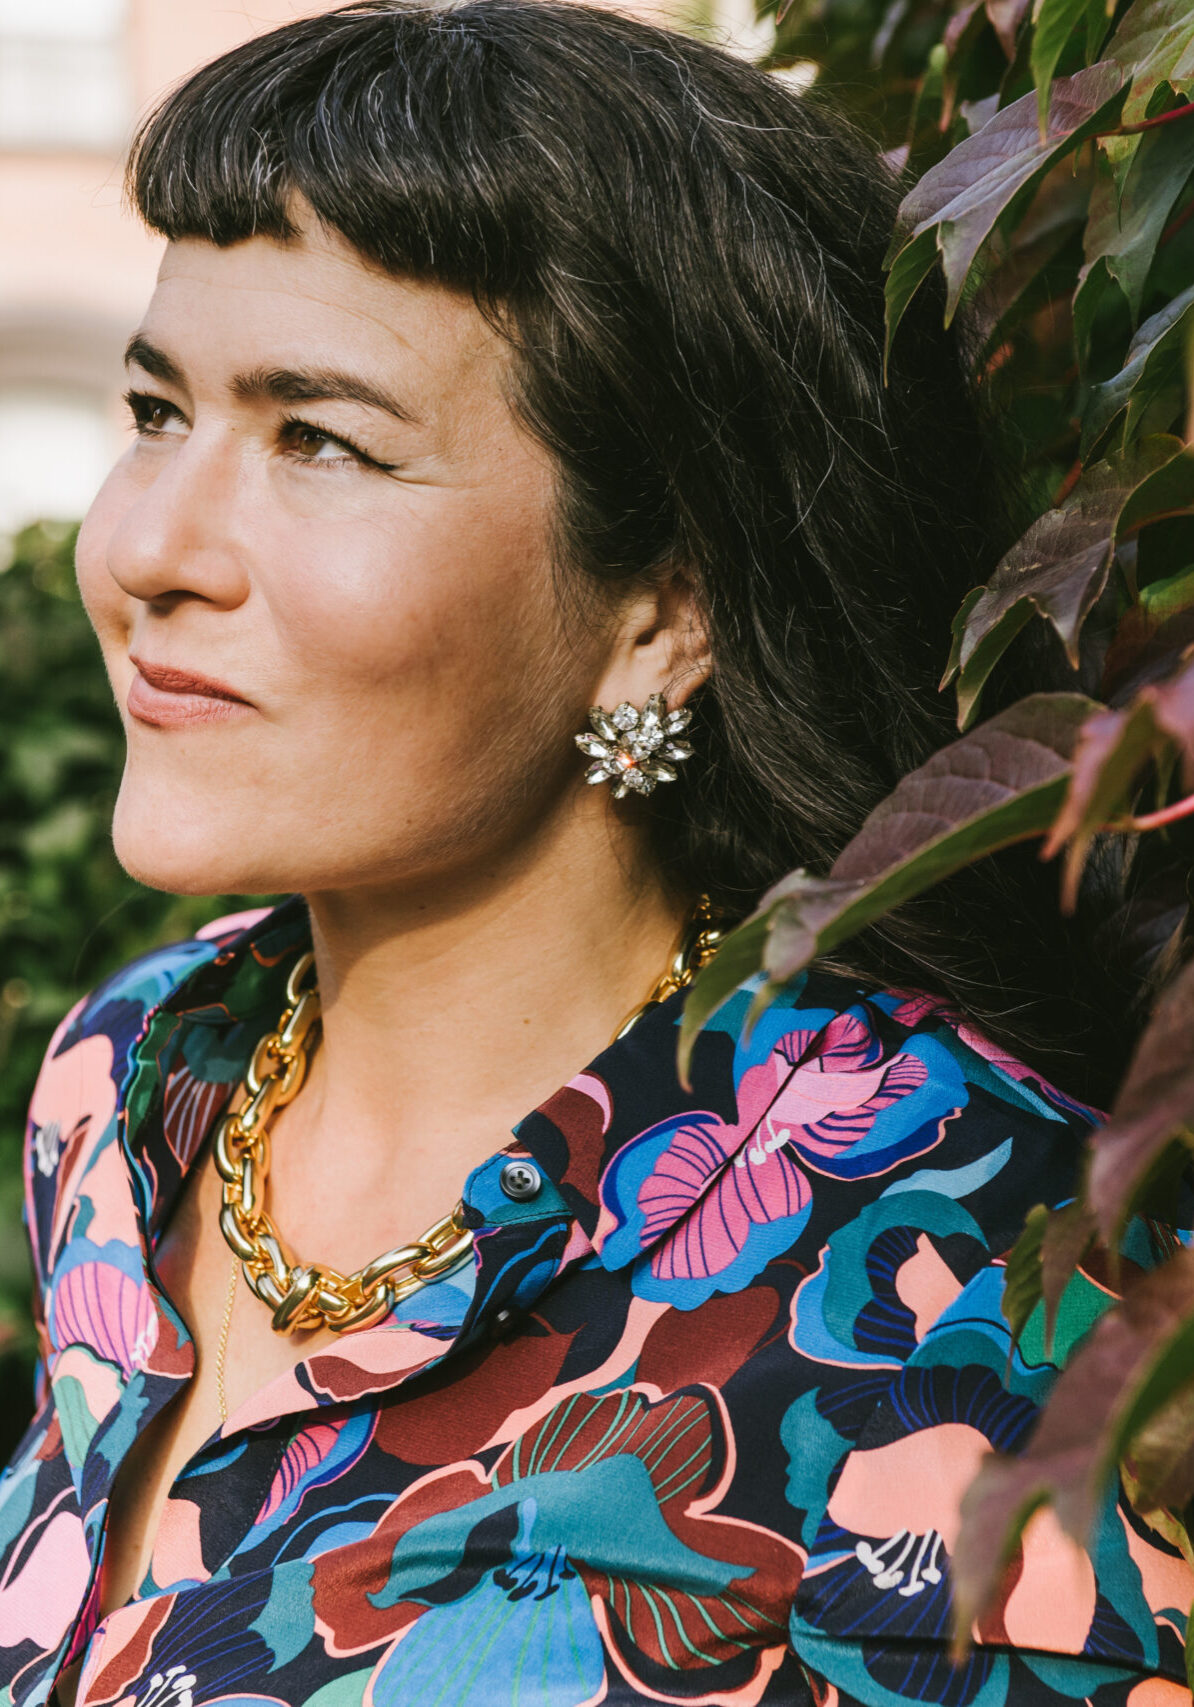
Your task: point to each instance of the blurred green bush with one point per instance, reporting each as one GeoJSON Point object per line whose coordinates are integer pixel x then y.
{"type": "Point", "coordinates": [68, 914]}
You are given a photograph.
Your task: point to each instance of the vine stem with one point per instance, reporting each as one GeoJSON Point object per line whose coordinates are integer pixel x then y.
{"type": "Point", "coordinates": [1157, 820]}
{"type": "Point", "coordinates": [1170, 117]}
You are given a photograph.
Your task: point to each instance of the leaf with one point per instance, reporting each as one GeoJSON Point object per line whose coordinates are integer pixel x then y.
{"type": "Point", "coordinates": [1042, 1263]}
{"type": "Point", "coordinates": [963, 196]}
{"type": "Point", "coordinates": [906, 274]}
{"type": "Point", "coordinates": [982, 658]}
{"type": "Point", "coordinates": [1154, 360]}
{"type": "Point", "coordinates": [1137, 1356]}
{"type": "Point", "coordinates": [1053, 24]}
{"type": "Point", "coordinates": [1068, 1236]}
{"type": "Point", "coordinates": [1006, 16]}
{"type": "Point", "coordinates": [1133, 207]}
{"type": "Point", "coordinates": [997, 785]}
{"type": "Point", "coordinates": [1153, 632]}
{"type": "Point", "coordinates": [1022, 1290]}
{"type": "Point", "coordinates": [992, 787]}
{"type": "Point", "coordinates": [739, 956]}
{"type": "Point", "coordinates": [1058, 569]}
{"type": "Point", "coordinates": [1114, 747]}
{"type": "Point", "coordinates": [1167, 491]}
{"type": "Point", "coordinates": [1162, 1458]}
{"type": "Point", "coordinates": [1112, 750]}
{"type": "Point", "coordinates": [1154, 43]}
{"type": "Point", "coordinates": [1154, 1106]}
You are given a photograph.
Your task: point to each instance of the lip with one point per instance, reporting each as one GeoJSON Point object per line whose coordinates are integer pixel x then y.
{"type": "Point", "coordinates": [166, 697]}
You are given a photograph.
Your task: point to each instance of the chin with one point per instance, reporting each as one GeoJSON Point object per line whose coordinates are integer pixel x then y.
{"type": "Point", "coordinates": [187, 852]}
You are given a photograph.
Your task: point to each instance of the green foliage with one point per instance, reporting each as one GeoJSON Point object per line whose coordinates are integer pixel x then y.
{"type": "Point", "coordinates": [1047, 148]}
{"type": "Point", "coordinates": [68, 913]}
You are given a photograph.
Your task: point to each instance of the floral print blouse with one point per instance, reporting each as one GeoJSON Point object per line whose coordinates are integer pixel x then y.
{"type": "Point", "coordinates": [691, 1425]}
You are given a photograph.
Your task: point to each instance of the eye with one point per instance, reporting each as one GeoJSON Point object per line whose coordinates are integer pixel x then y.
{"type": "Point", "coordinates": [152, 416]}
{"type": "Point", "coordinates": [306, 442]}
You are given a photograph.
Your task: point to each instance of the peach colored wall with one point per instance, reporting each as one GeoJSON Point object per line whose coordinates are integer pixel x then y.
{"type": "Point", "coordinates": [68, 243]}
{"type": "Point", "coordinates": [75, 267]}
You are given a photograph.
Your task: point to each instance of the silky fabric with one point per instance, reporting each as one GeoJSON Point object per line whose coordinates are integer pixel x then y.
{"type": "Point", "coordinates": [691, 1424]}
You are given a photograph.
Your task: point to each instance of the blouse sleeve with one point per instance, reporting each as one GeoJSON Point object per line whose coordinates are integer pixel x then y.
{"type": "Point", "coordinates": [872, 1617]}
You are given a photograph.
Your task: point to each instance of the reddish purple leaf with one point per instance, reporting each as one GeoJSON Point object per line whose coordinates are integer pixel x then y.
{"type": "Point", "coordinates": [1154, 1106]}
{"type": "Point", "coordinates": [994, 786]}
{"type": "Point", "coordinates": [1162, 1459]}
{"type": "Point", "coordinates": [1006, 17]}
{"type": "Point", "coordinates": [1112, 751]}
{"type": "Point", "coordinates": [965, 194]}
{"type": "Point", "coordinates": [1068, 1236]}
{"type": "Point", "coordinates": [1058, 569]}
{"type": "Point", "coordinates": [1079, 1437]}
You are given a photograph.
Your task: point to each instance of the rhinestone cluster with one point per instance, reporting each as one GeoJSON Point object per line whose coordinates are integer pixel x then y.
{"type": "Point", "coordinates": [635, 749]}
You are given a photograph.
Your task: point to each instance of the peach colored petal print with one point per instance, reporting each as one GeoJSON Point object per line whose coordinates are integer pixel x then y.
{"type": "Point", "coordinates": [1166, 1581]}
{"type": "Point", "coordinates": [926, 1285]}
{"type": "Point", "coordinates": [1053, 1603]}
{"type": "Point", "coordinates": [101, 1382]}
{"type": "Point", "coordinates": [177, 1554]}
{"type": "Point", "coordinates": [1159, 1692]}
{"type": "Point", "coordinates": [40, 1601]}
{"type": "Point", "coordinates": [120, 1650]}
{"type": "Point", "coordinates": [114, 1214]}
{"type": "Point", "coordinates": [75, 1095]}
{"type": "Point", "coordinates": [229, 922]}
{"type": "Point", "coordinates": [914, 1484]}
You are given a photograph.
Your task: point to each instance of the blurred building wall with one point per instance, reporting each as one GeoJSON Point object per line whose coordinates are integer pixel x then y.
{"type": "Point", "coordinates": [75, 268]}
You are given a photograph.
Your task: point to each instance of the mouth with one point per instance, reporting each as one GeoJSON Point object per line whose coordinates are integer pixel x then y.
{"type": "Point", "coordinates": [166, 697]}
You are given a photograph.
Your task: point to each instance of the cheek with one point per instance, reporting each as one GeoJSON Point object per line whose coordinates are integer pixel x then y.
{"type": "Point", "coordinates": [456, 611]}
{"type": "Point", "coordinates": [105, 603]}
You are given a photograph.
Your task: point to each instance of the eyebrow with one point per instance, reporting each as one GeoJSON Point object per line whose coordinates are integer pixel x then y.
{"type": "Point", "coordinates": [278, 385]}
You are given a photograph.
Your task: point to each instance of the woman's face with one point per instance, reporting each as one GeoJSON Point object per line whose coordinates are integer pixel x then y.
{"type": "Point", "coordinates": [331, 517]}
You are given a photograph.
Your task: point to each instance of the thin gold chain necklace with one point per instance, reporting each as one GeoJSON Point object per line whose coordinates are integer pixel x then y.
{"type": "Point", "coordinates": [304, 1296]}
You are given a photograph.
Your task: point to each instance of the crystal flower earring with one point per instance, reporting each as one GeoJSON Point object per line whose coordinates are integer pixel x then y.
{"type": "Point", "coordinates": [635, 749]}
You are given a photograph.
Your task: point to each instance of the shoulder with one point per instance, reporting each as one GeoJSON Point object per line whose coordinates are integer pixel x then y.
{"type": "Point", "coordinates": [112, 1017]}
{"type": "Point", "coordinates": [844, 1106]}
{"type": "Point", "coordinates": [75, 1099]}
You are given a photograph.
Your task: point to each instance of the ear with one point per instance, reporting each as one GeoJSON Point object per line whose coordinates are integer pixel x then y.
{"type": "Point", "coordinates": [660, 644]}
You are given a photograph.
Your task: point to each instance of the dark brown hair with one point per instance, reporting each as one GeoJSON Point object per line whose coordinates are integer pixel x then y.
{"type": "Point", "coordinates": [687, 259]}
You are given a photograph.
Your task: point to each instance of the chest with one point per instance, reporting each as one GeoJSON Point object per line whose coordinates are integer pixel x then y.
{"type": "Point", "coordinates": [237, 1353]}
{"type": "Point", "coordinates": [512, 1490]}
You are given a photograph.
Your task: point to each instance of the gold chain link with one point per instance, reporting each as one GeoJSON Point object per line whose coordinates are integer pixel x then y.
{"type": "Point", "coordinates": [301, 1295]}
{"type": "Point", "coordinates": [304, 1296]}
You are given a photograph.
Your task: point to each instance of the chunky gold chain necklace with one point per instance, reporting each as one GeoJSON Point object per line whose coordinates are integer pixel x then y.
{"type": "Point", "coordinates": [303, 1296]}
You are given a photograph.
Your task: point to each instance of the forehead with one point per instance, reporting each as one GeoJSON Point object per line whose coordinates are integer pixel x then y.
{"type": "Point", "coordinates": [265, 301]}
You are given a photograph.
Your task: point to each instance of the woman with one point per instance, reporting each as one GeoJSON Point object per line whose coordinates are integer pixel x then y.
{"type": "Point", "coordinates": [509, 361]}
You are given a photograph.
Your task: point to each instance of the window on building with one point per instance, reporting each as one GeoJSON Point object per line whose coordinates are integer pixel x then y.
{"type": "Point", "coordinates": [63, 77]}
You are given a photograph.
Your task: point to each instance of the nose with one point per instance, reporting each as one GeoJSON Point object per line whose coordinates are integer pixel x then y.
{"type": "Point", "coordinates": [180, 537]}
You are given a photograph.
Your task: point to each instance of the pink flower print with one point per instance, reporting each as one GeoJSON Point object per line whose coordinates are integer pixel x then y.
{"type": "Point", "coordinates": [189, 1105]}
{"type": "Point", "coordinates": [318, 1454]}
{"type": "Point", "coordinates": [836, 1095]}
{"type": "Point", "coordinates": [714, 1201]}
{"type": "Point", "coordinates": [72, 1106]}
{"type": "Point", "coordinates": [915, 1006]}
{"type": "Point", "coordinates": [96, 1305]}
{"type": "Point", "coordinates": [763, 1185]}
{"type": "Point", "coordinates": [38, 1602]}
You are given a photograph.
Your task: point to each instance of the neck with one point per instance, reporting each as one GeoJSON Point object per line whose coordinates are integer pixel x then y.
{"type": "Point", "coordinates": [451, 1010]}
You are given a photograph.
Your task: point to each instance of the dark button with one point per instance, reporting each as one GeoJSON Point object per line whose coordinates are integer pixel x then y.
{"type": "Point", "coordinates": [521, 1180]}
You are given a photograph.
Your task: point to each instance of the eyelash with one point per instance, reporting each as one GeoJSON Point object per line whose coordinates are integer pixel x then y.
{"type": "Point", "coordinates": [142, 404]}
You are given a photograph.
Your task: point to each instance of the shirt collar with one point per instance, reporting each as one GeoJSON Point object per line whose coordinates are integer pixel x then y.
{"type": "Point", "coordinates": [214, 1017]}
